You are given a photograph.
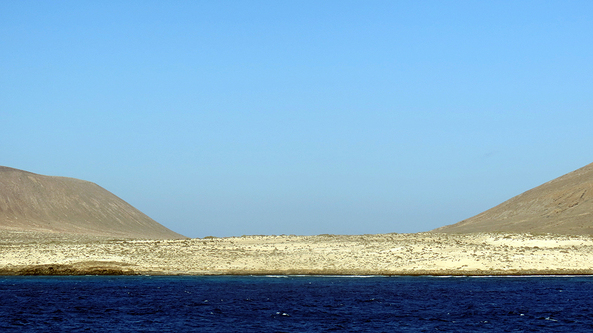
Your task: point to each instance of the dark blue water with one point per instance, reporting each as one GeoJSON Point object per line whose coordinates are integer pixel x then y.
{"type": "Point", "coordinates": [296, 304]}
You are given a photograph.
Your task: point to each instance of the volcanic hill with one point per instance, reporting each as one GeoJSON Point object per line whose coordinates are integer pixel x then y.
{"type": "Point", "coordinates": [561, 206]}
{"type": "Point", "coordinates": [32, 202]}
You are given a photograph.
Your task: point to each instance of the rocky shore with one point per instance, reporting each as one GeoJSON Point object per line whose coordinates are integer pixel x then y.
{"type": "Point", "coordinates": [32, 253]}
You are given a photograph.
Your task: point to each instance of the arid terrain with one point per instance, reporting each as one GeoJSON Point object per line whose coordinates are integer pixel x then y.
{"type": "Point", "coordinates": [33, 202]}
{"type": "Point", "coordinates": [561, 206]}
{"type": "Point", "coordinates": [386, 254]}
{"type": "Point", "coordinates": [56, 225]}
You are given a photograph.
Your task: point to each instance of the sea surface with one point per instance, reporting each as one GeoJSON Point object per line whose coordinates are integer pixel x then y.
{"type": "Point", "coordinates": [296, 304]}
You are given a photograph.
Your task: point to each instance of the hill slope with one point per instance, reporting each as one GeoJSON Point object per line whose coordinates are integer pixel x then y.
{"type": "Point", "coordinates": [562, 206]}
{"type": "Point", "coordinates": [35, 202]}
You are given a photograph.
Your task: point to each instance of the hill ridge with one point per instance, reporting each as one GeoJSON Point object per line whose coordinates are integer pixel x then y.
{"type": "Point", "coordinates": [34, 202]}
{"type": "Point", "coordinates": [563, 205]}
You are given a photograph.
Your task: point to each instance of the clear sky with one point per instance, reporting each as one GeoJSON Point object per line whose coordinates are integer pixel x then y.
{"type": "Point", "coordinates": [227, 118]}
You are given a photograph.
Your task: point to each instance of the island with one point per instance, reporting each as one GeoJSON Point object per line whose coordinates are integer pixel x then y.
{"type": "Point", "coordinates": [544, 231]}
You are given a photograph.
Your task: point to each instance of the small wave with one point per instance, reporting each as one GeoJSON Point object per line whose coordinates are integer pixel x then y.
{"type": "Point", "coordinates": [342, 276]}
{"type": "Point", "coordinates": [531, 276]}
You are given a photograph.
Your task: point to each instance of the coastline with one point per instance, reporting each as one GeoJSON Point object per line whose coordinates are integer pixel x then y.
{"type": "Point", "coordinates": [436, 254]}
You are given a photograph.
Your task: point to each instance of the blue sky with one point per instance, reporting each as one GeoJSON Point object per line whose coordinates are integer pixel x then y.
{"type": "Point", "coordinates": [227, 118]}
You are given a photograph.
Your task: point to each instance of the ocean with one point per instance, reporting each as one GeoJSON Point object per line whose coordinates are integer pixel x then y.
{"type": "Point", "coordinates": [296, 304]}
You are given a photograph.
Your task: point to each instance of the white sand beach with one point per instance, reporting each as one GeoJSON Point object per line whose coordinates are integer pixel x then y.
{"type": "Point", "coordinates": [384, 254]}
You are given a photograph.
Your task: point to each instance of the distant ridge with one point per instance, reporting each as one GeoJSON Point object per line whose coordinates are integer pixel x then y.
{"type": "Point", "coordinates": [561, 206]}
{"type": "Point", "coordinates": [32, 202]}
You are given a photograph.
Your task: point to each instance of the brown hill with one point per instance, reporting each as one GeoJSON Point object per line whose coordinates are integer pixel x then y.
{"type": "Point", "coordinates": [561, 206]}
{"type": "Point", "coordinates": [35, 202]}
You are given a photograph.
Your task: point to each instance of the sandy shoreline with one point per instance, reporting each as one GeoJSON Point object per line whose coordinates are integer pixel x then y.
{"type": "Point", "coordinates": [27, 253]}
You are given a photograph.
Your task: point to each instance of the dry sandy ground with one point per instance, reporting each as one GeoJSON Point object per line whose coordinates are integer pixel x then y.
{"type": "Point", "coordinates": [387, 254]}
